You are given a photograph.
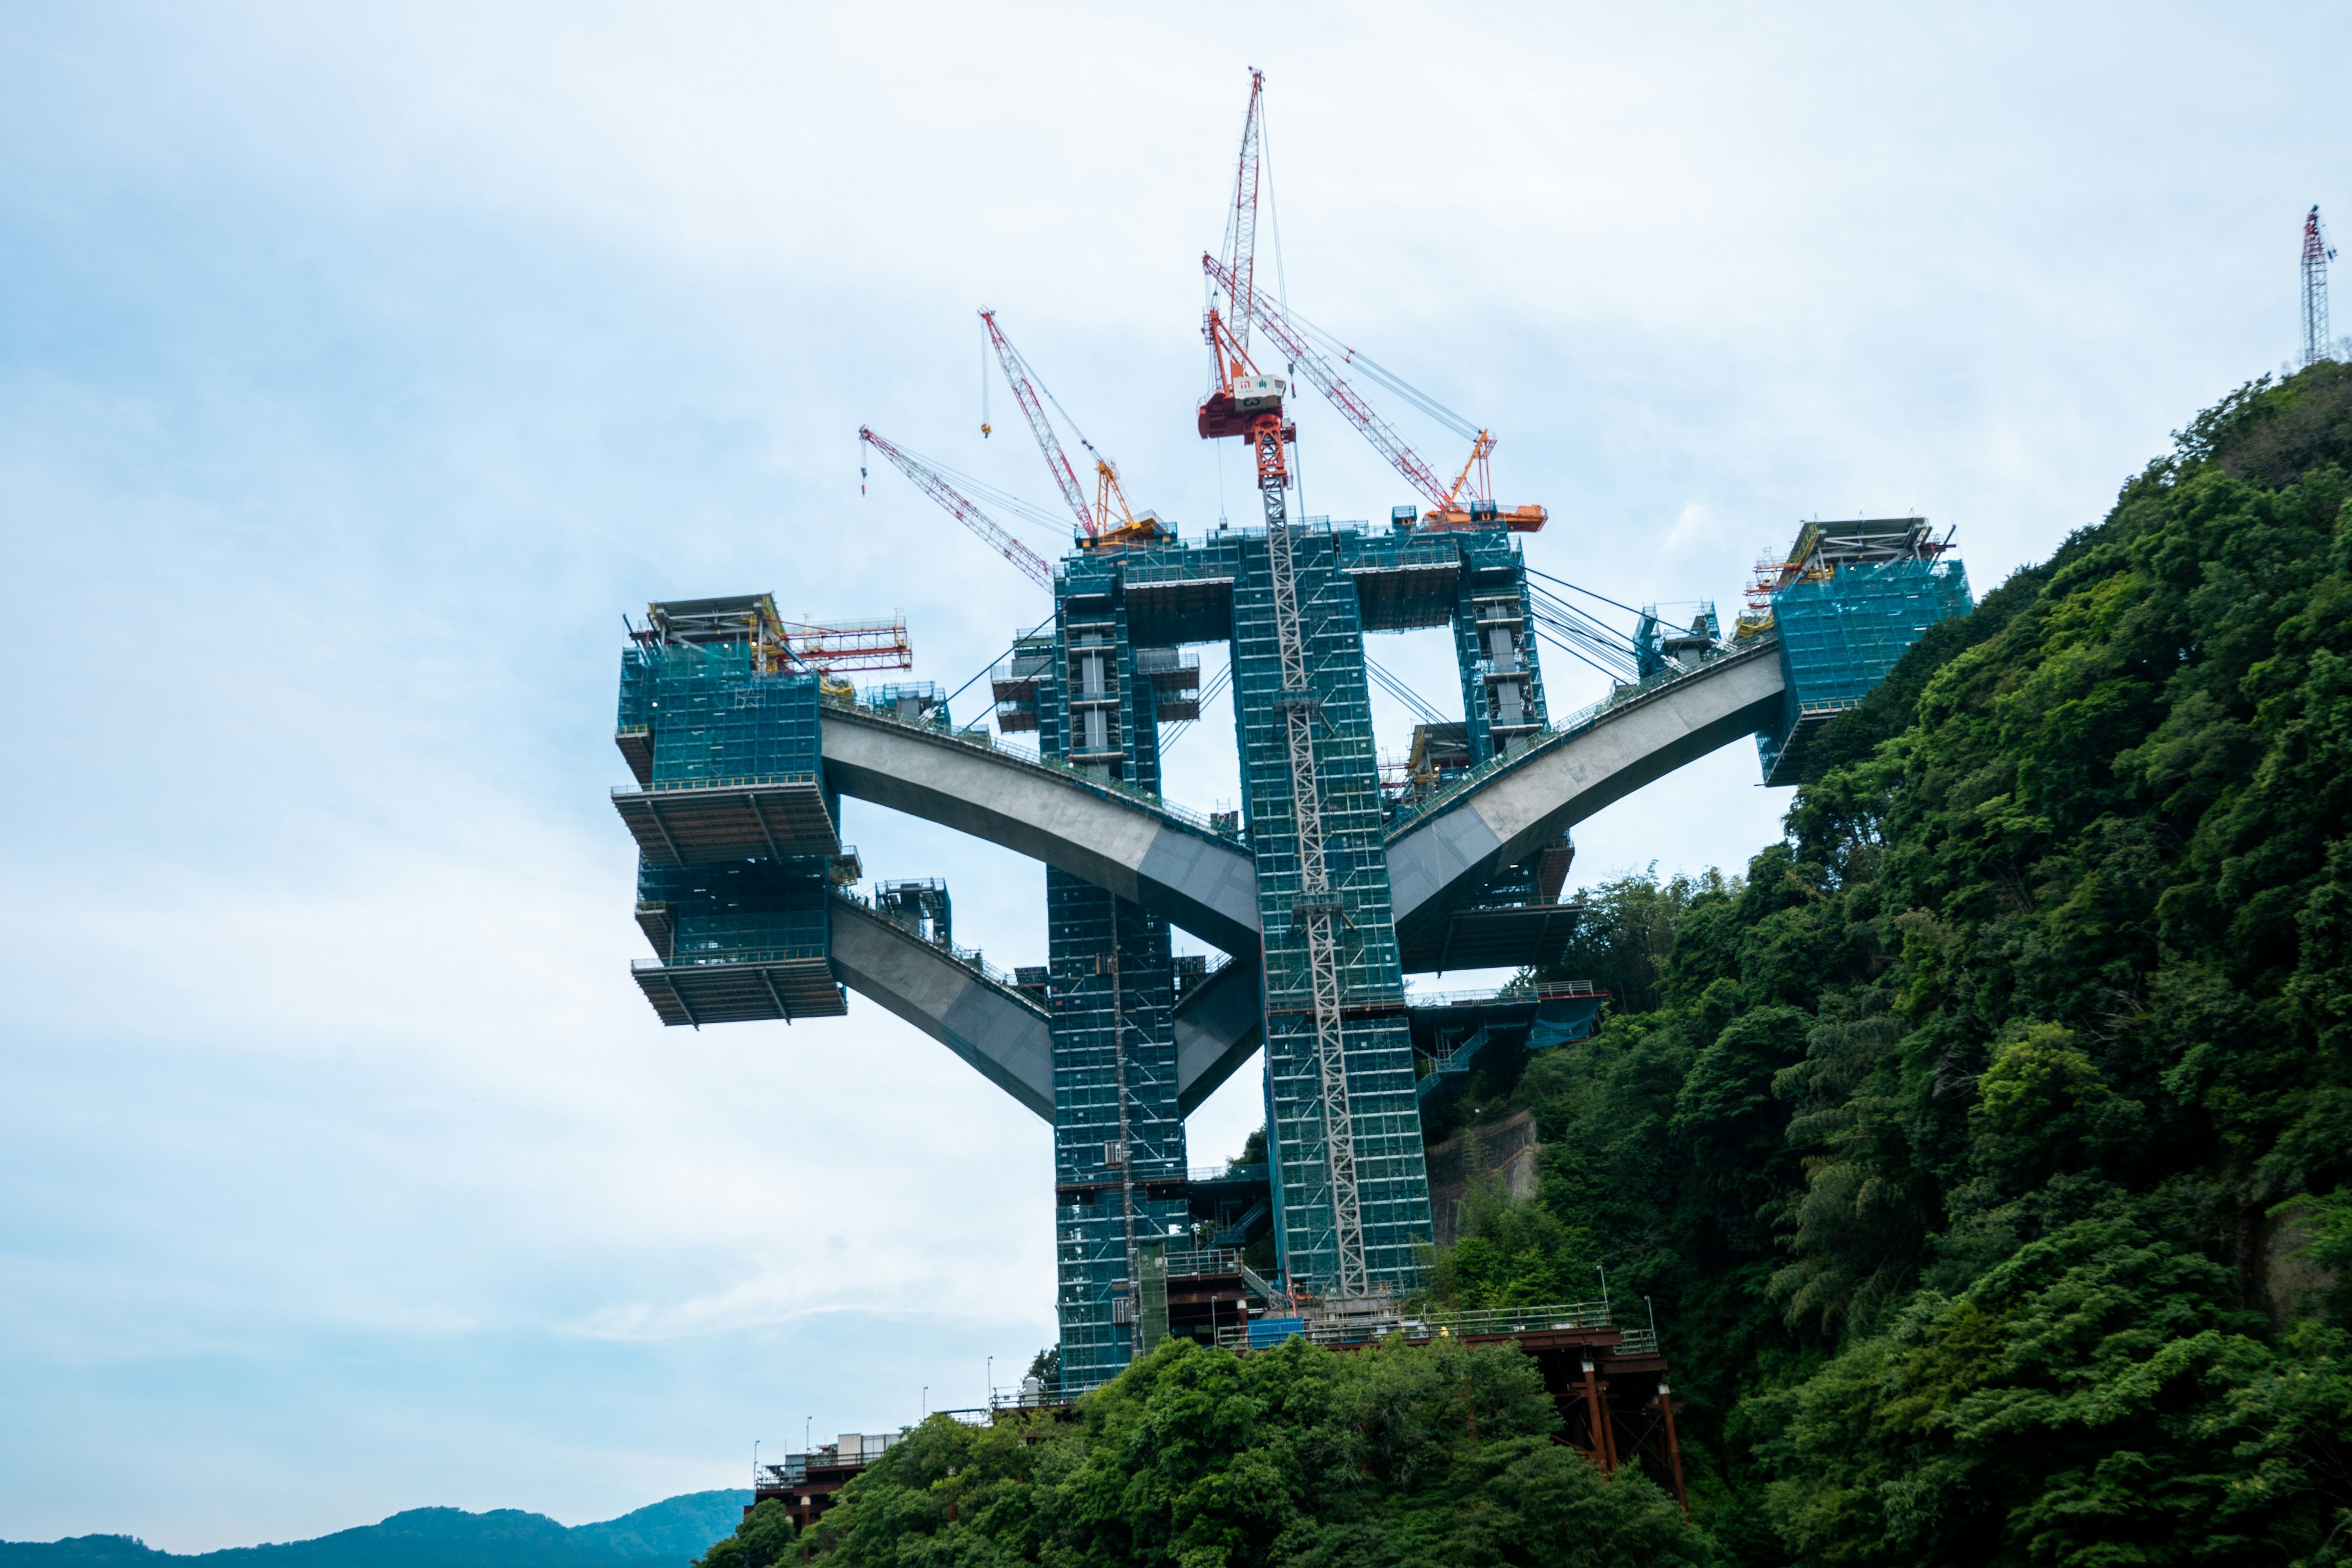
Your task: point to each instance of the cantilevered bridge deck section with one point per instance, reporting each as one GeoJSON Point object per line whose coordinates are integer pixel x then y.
{"type": "Point", "coordinates": [1506, 811]}
{"type": "Point", "coordinates": [1139, 849]}
{"type": "Point", "coordinates": [1005, 1035]}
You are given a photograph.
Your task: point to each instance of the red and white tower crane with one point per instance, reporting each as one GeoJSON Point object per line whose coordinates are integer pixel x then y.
{"type": "Point", "coordinates": [1464, 502]}
{"type": "Point", "coordinates": [962, 508]}
{"type": "Point", "coordinates": [2316, 254]}
{"type": "Point", "coordinates": [1024, 393]}
{"type": "Point", "coordinates": [1108, 519]}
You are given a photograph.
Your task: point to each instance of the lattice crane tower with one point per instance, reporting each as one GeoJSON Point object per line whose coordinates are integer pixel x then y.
{"type": "Point", "coordinates": [2316, 254]}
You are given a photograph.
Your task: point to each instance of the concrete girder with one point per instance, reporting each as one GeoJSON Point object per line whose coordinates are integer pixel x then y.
{"type": "Point", "coordinates": [1008, 1038]}
{"type": "Point", "coordinates": [1218, 1024]}
{"type": "Point", "coordinates": [1442, 858]}
{"type": "Point", "coordinates": [1200, 882]}
{"type": "Point", "coordinates": [1004, 1035]}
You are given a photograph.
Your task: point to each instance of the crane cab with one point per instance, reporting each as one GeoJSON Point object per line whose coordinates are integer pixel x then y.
{"type": "Point", "coordinates": [1236, 409]}
{"type": "Point", "coordinates": [1258, 393]}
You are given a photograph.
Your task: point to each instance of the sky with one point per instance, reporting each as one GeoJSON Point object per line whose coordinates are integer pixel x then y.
{"type": "Point", "coordinates": [362, 367]}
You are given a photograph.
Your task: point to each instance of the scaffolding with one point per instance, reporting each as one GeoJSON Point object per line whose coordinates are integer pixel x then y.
{"type": "Point", "coordinates": [1097, 701]}
{"type": "Point", "coordinates": [1494, 647]}
{"type": "Point", "coordinates": [1847, 602]}
{"type": "Point", "coordinates": [736, 831]}
{"type": "Point", "coordinates": [1350, 1191]}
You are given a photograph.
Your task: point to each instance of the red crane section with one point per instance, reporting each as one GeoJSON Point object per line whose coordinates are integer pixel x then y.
{"type": "Point", "coordinates": [1024, 393]}
{"type": "Point", "coordinates": [831, 645]}
{"type": "Point", "coordinates": [1449, 507]}
{"type": "Point", "coordinates": [932, 483]}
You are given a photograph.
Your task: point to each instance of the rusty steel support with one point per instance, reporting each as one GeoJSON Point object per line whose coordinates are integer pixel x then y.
{"type": "Point", "coordinates": [1673, 1447]}
{"type": "Point", "coordinates": [1598, 1422]}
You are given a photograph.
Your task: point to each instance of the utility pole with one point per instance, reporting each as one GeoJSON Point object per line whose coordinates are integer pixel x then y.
{"type": "Point", "coordinates": [2317, 255]}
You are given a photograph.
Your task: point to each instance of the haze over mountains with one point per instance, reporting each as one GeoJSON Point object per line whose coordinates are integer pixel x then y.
{"type": "Point", "coordinates": [668, 1534]}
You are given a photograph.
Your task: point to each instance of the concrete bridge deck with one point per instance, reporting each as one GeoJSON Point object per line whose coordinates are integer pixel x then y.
{"type": "Point", "coordinates": [1505, 813]}
{"type": "Point", "coordinates": [1152, 854]}
{"type": "Point", "coordinates": [1206, 881]}
{"type": "Point", "coordinates": [1006, 1035]}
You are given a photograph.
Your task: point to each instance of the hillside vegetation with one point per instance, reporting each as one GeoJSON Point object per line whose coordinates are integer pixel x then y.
{"type": "Point", "coordinates": [668, 1534]}
{"type": "Point", "coordinates": [1983, 1149]}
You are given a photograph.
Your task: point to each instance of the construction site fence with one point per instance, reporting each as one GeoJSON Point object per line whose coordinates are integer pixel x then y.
{"type": "Point", "coordinates": [1067, 773]}
{"type": "Point", "coordinates": [1586, 717]}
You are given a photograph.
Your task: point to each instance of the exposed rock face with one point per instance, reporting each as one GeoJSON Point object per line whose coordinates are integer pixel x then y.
{"type": "Point", "coordinates": [1504, 1151]}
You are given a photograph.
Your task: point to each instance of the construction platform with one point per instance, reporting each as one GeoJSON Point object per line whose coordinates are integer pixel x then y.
{"type": "Point", "coordinates": [1609, 1383]}
{"type": "Point", "coordinates": [758, 988]}
{"type": "Point", "coordinates": [733, 819]}
{"type": "Point", "coordinates": [1847, 601]}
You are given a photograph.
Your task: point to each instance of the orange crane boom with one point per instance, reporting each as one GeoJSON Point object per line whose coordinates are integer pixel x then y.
{"type": "Point", "coordinates": [932, 483]}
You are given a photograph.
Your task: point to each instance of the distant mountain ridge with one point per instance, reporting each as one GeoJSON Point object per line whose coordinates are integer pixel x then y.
{"type": "Point", "coordinates": [668, 1534]}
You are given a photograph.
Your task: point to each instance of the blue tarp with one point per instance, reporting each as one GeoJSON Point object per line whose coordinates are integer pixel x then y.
{"type": "Point", "coordinates": [1264, 1332]}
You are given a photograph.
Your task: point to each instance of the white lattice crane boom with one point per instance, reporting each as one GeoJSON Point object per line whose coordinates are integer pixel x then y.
{"type": "Point", "coordinates": [1024, 393]}
{"type": "Point", "coordinates": [934, 484]}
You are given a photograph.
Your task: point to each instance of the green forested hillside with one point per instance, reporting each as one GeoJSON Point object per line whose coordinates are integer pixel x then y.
{"type": "Point", "coordinates": [1983, 1148]}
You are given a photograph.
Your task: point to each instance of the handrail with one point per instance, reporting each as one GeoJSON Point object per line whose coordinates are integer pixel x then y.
{"type": "Point", "coordinates": [1226, 1173]}
{"type": "Point", "coordinates": [1543, 991]}
{"type": "Point", "coordinates": [1452, 1324]}
{"type": "Point", "coordinates": [742, 781]}
{"type": "Point", "coordinates": [969, 957]}
{"type": "Point", "coordinates": [721, 956]}
{"type": "Point", "coordinates": [1583, 719]}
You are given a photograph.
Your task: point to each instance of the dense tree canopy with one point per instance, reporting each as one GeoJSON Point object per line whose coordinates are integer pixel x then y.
{"type": "Point", "coordinates": [1295, 1457]}
{"type": "Point", "coordinates": [1984, 1147]}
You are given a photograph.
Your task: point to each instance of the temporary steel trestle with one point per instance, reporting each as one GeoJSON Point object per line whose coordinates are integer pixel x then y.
{"type": "Point", "coordinates": [1315, 908]}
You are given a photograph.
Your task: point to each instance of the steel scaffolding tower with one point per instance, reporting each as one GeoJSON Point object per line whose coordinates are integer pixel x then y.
{"type": "Point", "coordinates": [1119, 1136]}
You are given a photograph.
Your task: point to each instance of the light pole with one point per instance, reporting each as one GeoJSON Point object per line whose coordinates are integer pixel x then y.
{"type": "Point", "coordinates": [755, 1464]}
{"type": "Point", "coordinates": [991, 1382]}
{"type": "Point", "coordinates": [927, 1402]}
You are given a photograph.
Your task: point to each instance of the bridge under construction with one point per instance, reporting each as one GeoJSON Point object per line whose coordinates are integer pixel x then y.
{"type": "Point", "coordinates": [1324, 892]}
{"type": "Point", "coordinates": [1334, 882]}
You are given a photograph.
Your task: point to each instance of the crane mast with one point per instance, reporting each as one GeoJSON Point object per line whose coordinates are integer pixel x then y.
{"type": "Point", "coordinates": [934, 484]}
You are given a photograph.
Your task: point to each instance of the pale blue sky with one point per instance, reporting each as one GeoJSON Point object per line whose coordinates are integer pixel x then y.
{"type": "Point", "coordinates": [357, 373]}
